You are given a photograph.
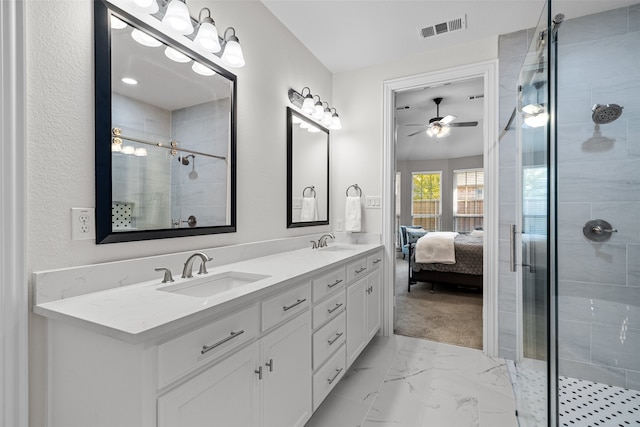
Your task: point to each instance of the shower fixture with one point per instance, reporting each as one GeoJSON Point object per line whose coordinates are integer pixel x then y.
{"type": "Point", "coordinates": [603, 114]}
{"type": "Point", "coordinates": [185, 159]}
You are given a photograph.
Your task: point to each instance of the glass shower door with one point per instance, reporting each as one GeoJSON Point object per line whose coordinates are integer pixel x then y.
{"type": "Point", "coordinates": [532, 235]}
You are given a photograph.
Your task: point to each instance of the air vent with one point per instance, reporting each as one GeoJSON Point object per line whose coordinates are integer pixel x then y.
{"type": "Point", "coordinates": [444, 27]}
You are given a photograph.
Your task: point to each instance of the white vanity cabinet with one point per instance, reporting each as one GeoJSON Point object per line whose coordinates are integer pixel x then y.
{"type": "Point", "coordinates": [364, 301]}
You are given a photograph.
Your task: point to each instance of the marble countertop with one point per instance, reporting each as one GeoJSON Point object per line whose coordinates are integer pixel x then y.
{"type": "Point", "coordinates": [140, 312]}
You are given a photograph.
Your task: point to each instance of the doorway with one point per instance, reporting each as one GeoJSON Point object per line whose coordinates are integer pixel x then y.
{"type": "Point", "coordinates": [487, 72]}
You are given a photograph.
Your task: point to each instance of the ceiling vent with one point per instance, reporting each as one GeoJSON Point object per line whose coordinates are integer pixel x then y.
{"type": "Point", "coordinates": [444, 27]}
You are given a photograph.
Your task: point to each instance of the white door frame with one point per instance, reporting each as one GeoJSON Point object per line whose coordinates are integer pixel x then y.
{"type": "Point", "coordinates": [488, 70]}
{"type": "Point", "coordinates": [14, 308]}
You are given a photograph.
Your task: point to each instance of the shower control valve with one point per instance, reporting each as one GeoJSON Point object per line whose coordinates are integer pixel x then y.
{"type": "Point", "coordinates": [598, 230]}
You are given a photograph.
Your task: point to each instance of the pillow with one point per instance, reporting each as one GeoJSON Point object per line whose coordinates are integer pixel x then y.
{"type": "Point", "coordinates": [414, 234]}
{"type": "Point", "coordinates": [477, 233]}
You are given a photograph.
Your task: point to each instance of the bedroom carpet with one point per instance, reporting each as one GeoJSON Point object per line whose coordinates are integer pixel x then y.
{"type": "Point", "coordinates": [451, 315]}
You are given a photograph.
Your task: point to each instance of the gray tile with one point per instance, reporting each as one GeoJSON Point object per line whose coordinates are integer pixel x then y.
{"type": "Point", "coordinates": [507, 353]}
{"type": "Point", "coordinates": [507, 185]}
{"type": "Point", "coordinates": [592, 262]}
{"type": "Point", "coordinates": [598, 303]}
{"type": "Point", "coordinates": [634, 18]}
{"type": "Point", "coordinates": [571, 218]}
{"type": "Point", "coordinates": [633, 137]}
{"type": "Point", "coordinates": [623, 216]}
{"type": "Point", "coordinates": [633, 265]}
{"type": "Point", "coordinates": [574, 341]}
{"type": "Point", "coordinates": [611, 180]}
{"type": "Point", "coordinates": [575, 105]}
{"type": "Point", "coordinates": [507, 293]}
{"type": "Point", "coordinates": [586, 371]}
{"type": "Point", "coordinates": [633, 380]}
{"type": "Point", "coordinates": [594, 27]}
{"type": "Point", "coordinates": [615, 346]}
{"type": "Point", "coordinates": [507, 330]}
{"type": "Point", "coordinates": [512, 44]}
{"type": "Point", "coordinates": [619, 88]}
{"type": "Point", "coordinates": [588, 142]}
{"type": "Point", "coordinates": [508, 144]}
{"type": "Point", "coordinates": [506, 215]}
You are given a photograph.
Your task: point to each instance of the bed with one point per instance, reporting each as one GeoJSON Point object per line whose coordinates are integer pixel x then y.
{"type": "Point", "coordinates": [466, 271]}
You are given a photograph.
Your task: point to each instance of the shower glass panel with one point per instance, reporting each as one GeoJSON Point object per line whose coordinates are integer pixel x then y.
{"type": "Point", "coordinates": [533, 390]}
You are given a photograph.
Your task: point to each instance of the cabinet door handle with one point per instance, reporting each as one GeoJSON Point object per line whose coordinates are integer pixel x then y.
{"type": "Point", "coordinates": [259, 372]}
{"type": "Point", "coordinates": [377, 261]}
{"type": "Point", "coordinates": [361, 270]}
{"type": "Point", "coordinates": [331, 380]}
{"type": "Point", "coordinates": [207, 348]}
{"type": "Point", "coordinates": [338, 281]}
{"type": "Point", "coordinates": [331, 310]}
{"type": "Point", "coordinates": [298, 302]}
{"type": "Point", "coordinates": [337, 337]}
{"type": "Point", "coordinates": [270, 365]}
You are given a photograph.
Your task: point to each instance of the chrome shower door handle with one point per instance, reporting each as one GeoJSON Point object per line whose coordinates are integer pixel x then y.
{"type": "Point", "coordinates": [512, 247]}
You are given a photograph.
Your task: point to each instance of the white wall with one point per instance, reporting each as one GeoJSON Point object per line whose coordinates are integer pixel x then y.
{"type": "Point", "coordinates": [60, 136]}
{"type": "Point", "coordinates": [357, 148]}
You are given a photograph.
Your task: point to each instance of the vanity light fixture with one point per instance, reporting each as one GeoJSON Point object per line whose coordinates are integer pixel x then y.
{"type": "Point", "coordinates": [318, 111]}
{"type": "Point", "coordinates": [307, 103]}
{"type": "Point", "coordinates": [336, 124]}
{"type": "Point", "coordinates": [207, 35]}
{"type": "Point", "coordinates": [147, 6]}
{"type": "Point", "coordinates": [203, 70]}
{"type": "Point", "coordinates": [175, 55]}
{"type": "Point", "coordinates": [327, 116]}
{"type": "Point", "coordinates": [314, 109]}
{"type": "Point", "coordinates": [117, 23]}
{"type": "Point", "coordinates": [313, 129]}
{"type": "Point", "coordinates": [232, 53]}
{"type": "Point", "coordinates": [144, 38]}
{"type": "Point", "coordinates": [177, 17]}
{"type": "Point", "coordinates": [535, 115]}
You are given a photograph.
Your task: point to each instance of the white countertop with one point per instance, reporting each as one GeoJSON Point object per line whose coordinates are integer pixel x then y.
{"type": "Point", "coordinates": [140, 312]}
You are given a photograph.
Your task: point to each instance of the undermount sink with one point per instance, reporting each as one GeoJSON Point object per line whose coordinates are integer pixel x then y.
{"type": "Point", "coordinates": [336, 248]}
{"type": "Point", "coordinates": [213, 284]}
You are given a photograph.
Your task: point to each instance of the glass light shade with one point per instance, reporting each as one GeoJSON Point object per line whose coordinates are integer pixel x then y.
{"type": "Point", "coordinates": [444, 132]}
{"type": "Point", "coordinates": [533, 108]}
{"type": "Point", "coordinates": [203, 70]}
{"type": "Point", "coordinates": [318, 111]}
{"type": "Point", "coordinates": [308, 105]}
{"type": "Point", "coordinates": [313, 129]}
{"type": "Point", "coordinates": [116, 148]}
{"type": "Point", "coordinates": [207, 37]}
{"type": "Point", "coordinates": [140, 152]}
{"type": "Point", "coordinates": [536, 120]}
{"type": "Point", "coordinates": [128, 149]}
{"type": "Point", "coordinates": [175, 55]}
{"type": "Point", "coordinates": [304, 125]}
{"type": "Point", "coordinates": [336, 124]}
{"type": "Point", "coordinates": [117, 23]}
{"type": "Point", "coordinates": [178, 18]}
{"type": "Point", "coordinates": [232, 55]}
{"type": "Point", "coordinates": [295, 120]}
{"type": "Point", "coordinates": [327, 117]}
{"type": "Point", "coordinates": [144, 38]}
{"type": "Point", "coordinates": [147, 6]}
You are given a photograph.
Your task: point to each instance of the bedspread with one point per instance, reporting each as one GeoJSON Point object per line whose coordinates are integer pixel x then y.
{"type": "Point", "coordinates": [468, 252]}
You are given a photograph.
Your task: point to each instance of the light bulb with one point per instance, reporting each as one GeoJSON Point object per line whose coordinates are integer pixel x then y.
{"type": "Point", "coordinates": [207, 37]}
{"type": "Point", "coordinates": [178, 18]}
{"type": "Point", "coordinates": [202, 69]}
{"type": "Point", "coordinates": [232, 55]}
{"type": "Point", "coordinates": [144, 38]}
{"type": "Point", "coordinates": [175, 55]}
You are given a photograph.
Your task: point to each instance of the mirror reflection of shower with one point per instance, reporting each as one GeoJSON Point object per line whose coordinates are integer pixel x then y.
{"type": "Point", "coordinates": [185, 161]}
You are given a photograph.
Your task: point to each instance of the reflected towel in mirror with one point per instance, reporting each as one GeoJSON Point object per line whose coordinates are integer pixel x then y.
{"type": "Point", "coordinates": [309, 209]}
{"type": "Point", "coordinates": [353, 215]}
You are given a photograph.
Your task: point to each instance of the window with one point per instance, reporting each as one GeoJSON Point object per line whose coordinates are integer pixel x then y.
{"type": "Point", "coordinates": [534, 200]}
{"type": "Point", "coordinates": [468, 199]}
{"type": "Point", "coordinates": [426, 207]}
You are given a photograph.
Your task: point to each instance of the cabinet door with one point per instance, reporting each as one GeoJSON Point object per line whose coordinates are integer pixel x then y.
{"type": "Point", "coordinates": [286, 365]}
{"type": "Point", "coordinates": [356, 319]}
{"type": "Point", "coordinates": [225, 394]}
{"type": "Point", "coordinates": [373, 303]}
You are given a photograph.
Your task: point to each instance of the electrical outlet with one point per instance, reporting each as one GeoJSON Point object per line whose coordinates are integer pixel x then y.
{"type": "Point", "coordinates": [339, 225]}
{"type": "Point", "coordinates": [83, 224]}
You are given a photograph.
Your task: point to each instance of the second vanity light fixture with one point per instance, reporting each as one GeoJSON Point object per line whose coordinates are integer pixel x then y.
{"type": "Point", "coordinates": [315, 109]}
{"type": "Point", "coordinates": [176, 16]}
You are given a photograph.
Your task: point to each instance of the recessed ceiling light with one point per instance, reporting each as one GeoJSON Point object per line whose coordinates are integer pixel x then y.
{"type": "Point", "coordinates": [129, 81]}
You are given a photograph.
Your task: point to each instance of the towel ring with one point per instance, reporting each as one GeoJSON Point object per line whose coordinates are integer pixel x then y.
{"type": "Point", "coordinates": [312, 188]}
{"type": "Point", "coordinates": [356, 187]}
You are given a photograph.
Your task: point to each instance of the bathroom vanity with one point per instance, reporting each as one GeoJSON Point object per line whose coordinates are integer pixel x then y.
{"type": "Point", "coordinates": [259, 342]}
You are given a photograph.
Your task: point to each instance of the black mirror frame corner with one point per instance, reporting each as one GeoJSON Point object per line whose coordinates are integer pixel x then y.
{"type": "Point", "coordinates": [103, 163]}
{"type": "Point", "coordinates": [290, 224]}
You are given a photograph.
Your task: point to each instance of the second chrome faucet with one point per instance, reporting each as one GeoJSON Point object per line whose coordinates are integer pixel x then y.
{"type": "Point", "coordinates": [187, 271]}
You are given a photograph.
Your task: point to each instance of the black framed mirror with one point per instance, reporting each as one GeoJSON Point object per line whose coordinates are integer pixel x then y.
{"type": "Point", "coordinates": [165, 134]}
{"type": "Point", "coordinates": [307, 171]}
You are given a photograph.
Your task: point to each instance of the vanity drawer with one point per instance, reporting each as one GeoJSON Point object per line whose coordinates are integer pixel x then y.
{"type": "Point", "coordinates": [328, 376]}
{"type": "Point", "coordinates": [374, 261]}
{"type": "Point", "coordinates": [285, 305]}
{"type": "Point", "coordinates": [356, 269]}
{"type": "Point", "coordinates": [179, 356]}
{"type": "Point", "coordinates": [328, 339]}
{"type": "Point", "coordinates": [329, 308]}
{"type": "Point", "coordinates": [328, 283]}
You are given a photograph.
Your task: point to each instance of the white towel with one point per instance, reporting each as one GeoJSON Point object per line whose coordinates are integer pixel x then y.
{"type": "Point", "coordinates": [436, 247]}
{"type": "Point", "coordinates": [352, 215]}
{"type": "Point", "coordinates": [309, 210]}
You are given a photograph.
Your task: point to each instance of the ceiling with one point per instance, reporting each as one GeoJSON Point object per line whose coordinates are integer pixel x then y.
{"type": "Point", "coordinates": [349, 35]}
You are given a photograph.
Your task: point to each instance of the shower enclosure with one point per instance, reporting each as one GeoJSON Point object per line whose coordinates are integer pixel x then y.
{"type": "Point", "coordinates": [576, 245]}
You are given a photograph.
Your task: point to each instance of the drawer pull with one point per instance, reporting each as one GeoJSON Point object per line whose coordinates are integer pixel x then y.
{"type": "Point", "coordinates": [338, 335]}
{"type": "Point", "coordinates": [219, 343]}
{"type": "Point", "coordinates": [331, 310]}
{"type": "Point", "coordinates": [337, 282]}
{"type": "Point", "coordinates": [289, 307]}
{"type": "Point", "coordinates": [270, 365]}
{"type": "Point", "coordinates": [259, 372]}
{"type": "Point", "coordinates": [331, 380]}
{"type": "Point", "coordinates": [377, 261]}
{"type": "Point", "coordinates": [361, 270]}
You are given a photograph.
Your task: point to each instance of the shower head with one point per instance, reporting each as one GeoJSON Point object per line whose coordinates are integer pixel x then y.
{"type": "Point", "coordinates": [185, 159]}
{"type": "Point", "coordinates": [603, 114]}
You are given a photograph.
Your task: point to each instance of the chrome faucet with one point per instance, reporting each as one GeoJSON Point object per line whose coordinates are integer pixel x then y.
{"type": "Point", "coordinates": [188, 266]}
{"type": "Point", "coordinates": [322, 241]}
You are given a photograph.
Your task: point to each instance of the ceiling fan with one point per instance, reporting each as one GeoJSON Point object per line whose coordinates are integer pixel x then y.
{"type": "Point", "coordinates": [440, 127]}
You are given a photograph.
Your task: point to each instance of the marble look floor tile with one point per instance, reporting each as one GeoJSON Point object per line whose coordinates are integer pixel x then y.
{"type": "Point", "coordinates": [339, 411]}
{"type": "Point", "coordinates": [397, 404]}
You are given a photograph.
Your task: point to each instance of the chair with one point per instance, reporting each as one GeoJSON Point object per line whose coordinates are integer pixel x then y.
{"type": "Point", "coordinates": [404, 242]}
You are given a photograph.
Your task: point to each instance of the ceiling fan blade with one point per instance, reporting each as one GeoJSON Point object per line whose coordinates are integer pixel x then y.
{"type": "Point", "coordinates": [423, 125]}
{"type": "Point", "coordinates": [415, 133]}
{"type": "Point", "coordinates": [447, 119]}
{"type": "Point", "coordinates": [463, 124]}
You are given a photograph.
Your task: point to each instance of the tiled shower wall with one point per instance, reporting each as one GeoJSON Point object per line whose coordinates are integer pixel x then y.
{"type": "Point", "coordinates": [599, 178]}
